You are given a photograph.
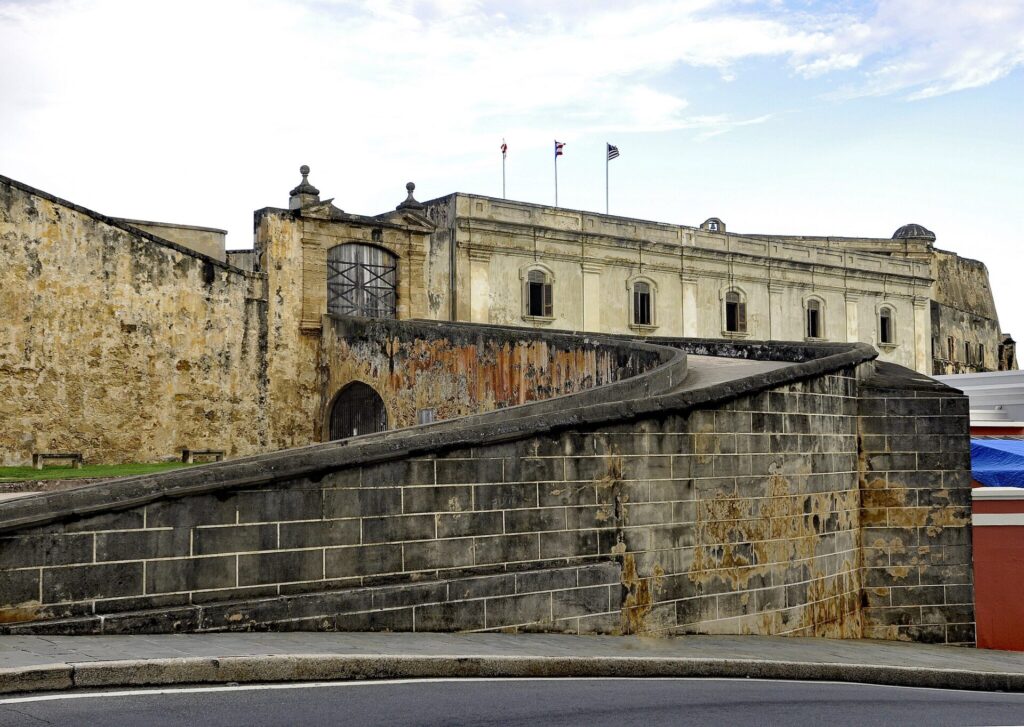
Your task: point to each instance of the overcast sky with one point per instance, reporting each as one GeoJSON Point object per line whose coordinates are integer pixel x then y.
{"type": "Point", "coordinates": [779, 116]}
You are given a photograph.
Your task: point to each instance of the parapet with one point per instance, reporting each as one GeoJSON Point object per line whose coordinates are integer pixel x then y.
{"type": "Point", "coordinates": [209, 241]}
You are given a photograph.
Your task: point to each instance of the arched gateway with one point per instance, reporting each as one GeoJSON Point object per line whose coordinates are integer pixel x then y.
{"type": "Point", "coordinates": [357, 409]}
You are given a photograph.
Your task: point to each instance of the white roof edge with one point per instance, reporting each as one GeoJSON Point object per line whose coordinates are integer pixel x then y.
{"type": "Point", "coordinates": [997, 493]}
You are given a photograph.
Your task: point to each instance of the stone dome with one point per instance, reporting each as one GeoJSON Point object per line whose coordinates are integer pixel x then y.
{"type": "Point", "coordinates": [914, 231]}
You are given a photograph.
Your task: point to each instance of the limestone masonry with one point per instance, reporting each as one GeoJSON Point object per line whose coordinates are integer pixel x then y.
{"type": "Point", "coordinates": [740, 440]}
{"type": "Point", "coordinates": [130, 340]}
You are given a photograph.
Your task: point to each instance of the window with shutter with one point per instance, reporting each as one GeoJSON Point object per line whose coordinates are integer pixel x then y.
{"type": "Point", "coordinates": [538, 297]}
{"type": "Point", "coordinates": [885, 332]}
{"type": "Point", "coordinates": [642, 304]}
{"type": "Point", "coordinates": [735, 313]}
{"type": "Point", "coordinates": [814, 328]}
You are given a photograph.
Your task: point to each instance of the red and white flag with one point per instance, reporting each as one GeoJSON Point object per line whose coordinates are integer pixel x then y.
{"type": "Point", "coordinates": [558, 147]}
{"type": "Point", "coordinates": [504, 148]}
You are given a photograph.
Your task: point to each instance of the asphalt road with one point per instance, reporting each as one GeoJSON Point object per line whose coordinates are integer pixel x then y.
{"type": "Point", "coordinates": [534, 702]}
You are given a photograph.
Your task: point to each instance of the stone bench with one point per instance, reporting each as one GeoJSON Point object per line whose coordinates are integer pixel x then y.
{"type": "Point", "coordinates": [39, 457]}
{"type": "Point", "coordinates": [188, 455]}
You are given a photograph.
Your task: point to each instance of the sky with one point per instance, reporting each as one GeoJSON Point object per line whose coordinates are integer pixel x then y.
{"type": "Point", "coordinates": [810, 117]}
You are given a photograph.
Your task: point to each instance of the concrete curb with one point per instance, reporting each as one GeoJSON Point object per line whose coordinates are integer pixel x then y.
{"type": "Point", "coordinates": [329, 667]}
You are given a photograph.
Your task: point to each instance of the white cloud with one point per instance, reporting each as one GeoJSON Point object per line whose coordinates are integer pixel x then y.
{"type": "Point", "coordinates": [217, 99]}
{"type": "Point", "coordinates": [927, 48]}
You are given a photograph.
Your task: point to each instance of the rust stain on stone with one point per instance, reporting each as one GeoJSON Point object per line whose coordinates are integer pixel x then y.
{"type": "Point", "coordinates": [741, 542]}
{"type": "Point", "coordinates": [640, 595]}
{"type": "Point", "coordinates": [19, 614]}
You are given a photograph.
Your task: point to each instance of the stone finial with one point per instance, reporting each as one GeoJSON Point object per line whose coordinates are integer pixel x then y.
{"type": "Point", "coordinates": [305, 193]}
{"type": "Point", "coordinates": [410, 202]}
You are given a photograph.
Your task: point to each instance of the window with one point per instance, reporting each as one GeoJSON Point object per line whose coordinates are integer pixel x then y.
{"type": "Point", "coordinates": [643, 314]}
{"type": "Point", "coordinates": [814, 322]}
{"type": "Point", "coordinates": [981, 354]}
{"type": "Point", "coordinates": [951, 346]}
{"type": "Point", "coordinates": [425, 416]}
{"type": "Point", "coordinates": [968, 358]}
{"type": "Point", "coordinates": [735, 313]}
{"type": "Point", "coordinates": [885, 330]}
{"type": "Point", "coordinates": [538, 298]}
{"type": "Point", "coordinates": [361, 281]}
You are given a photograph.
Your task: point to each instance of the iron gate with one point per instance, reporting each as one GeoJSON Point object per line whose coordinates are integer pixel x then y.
{"type": "Point", "coordinates": [358, 409]}
{"type": "Point", "coordinates": [361, 281]}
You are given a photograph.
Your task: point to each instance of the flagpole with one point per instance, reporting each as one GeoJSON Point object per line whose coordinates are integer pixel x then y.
{"type": "Point", "coordinates": [606, 179]}
{"type": "Point", "coordinates": [556, 175]}
{"type": "Point", "coordinates": [503, 175]}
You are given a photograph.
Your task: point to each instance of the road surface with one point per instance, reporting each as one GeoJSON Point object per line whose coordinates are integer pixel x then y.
{"type": "Point", "coordinates": [534, 702]}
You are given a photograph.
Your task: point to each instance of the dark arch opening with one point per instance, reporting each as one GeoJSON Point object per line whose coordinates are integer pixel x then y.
{"type": "Point", "coordinates": [357, 409]}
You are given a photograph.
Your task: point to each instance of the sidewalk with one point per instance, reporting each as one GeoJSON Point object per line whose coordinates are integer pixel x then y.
{"type": "Point", "coordinates": [44, 663]}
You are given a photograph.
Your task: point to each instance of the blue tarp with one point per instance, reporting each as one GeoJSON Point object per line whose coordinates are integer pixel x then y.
{"type": "Point", "coordinates": [998, 462]}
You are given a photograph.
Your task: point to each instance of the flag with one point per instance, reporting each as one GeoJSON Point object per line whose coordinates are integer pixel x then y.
{"type": "Point", "coordinates": [613, 151]}
{"type": "Point", "coordinates": [504, 148]}
{"type": "Point", "coordinates": [558, 147]}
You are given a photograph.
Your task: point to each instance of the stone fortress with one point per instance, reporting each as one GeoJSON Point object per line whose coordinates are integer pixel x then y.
{"type": "Point", "coordinates": [131, 340]}
{"type": "Point", "coordinates": [417, 441]}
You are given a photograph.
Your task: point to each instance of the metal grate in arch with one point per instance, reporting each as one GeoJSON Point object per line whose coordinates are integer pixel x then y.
{"type": "Point", "coordinates": [358, 409]}
{"type": "Point", "coordinates": [361, 281]}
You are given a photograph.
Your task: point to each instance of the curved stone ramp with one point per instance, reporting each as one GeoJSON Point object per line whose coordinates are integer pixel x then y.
{"type": "Point", "coordinates": [452, 520]}
{"type": "Point", "coordinates": [668, 387]}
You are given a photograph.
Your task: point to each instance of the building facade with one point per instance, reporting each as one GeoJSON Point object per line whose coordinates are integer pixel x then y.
{"type": "Point", "coordinates": [129, 340]}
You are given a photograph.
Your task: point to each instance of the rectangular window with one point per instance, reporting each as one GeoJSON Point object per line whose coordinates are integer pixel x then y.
{"type": "Point", "coordinates": [538, 295]}
{"type": "Point", "coordinates": [968, 358]}
{"type": "Point", "coordinates": [813, 324]}
{"type": "Point", "coordinates": [885, 327]}
{"type": "Point", "coordinates": [735, 313]}
{"type": "Point", "coordinates": [951, 345]}
{"type": "Point", "coordinates": [981, 355]}
{"type": "Point", "coordinates": [642, 304]}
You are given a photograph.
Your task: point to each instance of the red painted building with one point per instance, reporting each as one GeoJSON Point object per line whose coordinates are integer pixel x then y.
{"type": "Point", "coordinates": [998, 524]}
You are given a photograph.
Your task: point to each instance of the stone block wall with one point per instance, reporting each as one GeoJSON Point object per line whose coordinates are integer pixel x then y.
{"type": "Point", "coordinates": [825, 498]}
{"type": "Point", "coordinates": [916, 509]}
{"type": "Point", "coordinates": [739, 517]}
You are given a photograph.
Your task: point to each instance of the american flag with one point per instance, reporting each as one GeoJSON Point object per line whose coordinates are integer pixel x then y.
{"type": "Point", "coordinates": [613, 151]}
{"type": "Point", "coordinates": [504, 148]}
{"type": "Point", "coordinates": [558, 147]}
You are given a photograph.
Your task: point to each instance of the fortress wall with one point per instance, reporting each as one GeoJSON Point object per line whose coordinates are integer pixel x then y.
{"type": "Point", "coordinates": [915, 480]}
{"type": "Point", "coordinates": [119, 346]}
{"type": "Point", "coordinates": [458, 369]}
{"type": "Point", "coordinates": [963, 308]}
{"type": "Point", "coordinates": [738, 517]}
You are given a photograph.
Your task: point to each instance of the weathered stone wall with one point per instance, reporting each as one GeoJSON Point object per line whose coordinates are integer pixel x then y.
{"type": "Point", "coordinates": [207, 241]}
{"type": "Point", "coordinates": [963, 310]}
{"type": "Point", "coordinates": [740, 516]}
{"type": "Point", "coordinates": [459, 369]}
{"type": "Point", "coordinates": [118, 345]}
{"type": "Point", "coordinates": [916, 509]}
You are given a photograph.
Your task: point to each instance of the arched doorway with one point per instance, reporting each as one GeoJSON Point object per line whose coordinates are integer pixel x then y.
{"type": "Point", "coordinates": [358, 409]}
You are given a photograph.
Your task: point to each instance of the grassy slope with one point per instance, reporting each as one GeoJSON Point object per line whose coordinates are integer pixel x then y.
{"type": "Point", "coordinates": [17, 474]}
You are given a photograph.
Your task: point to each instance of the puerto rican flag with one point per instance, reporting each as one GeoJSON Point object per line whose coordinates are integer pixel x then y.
{"type": "Point", "coordinates": [504, 148]}
{"type": "Point", "coordinates": [558, 147]}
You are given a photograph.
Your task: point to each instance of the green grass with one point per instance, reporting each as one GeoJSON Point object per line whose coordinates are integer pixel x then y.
{"type": "Point", "coordinates": [17, 474]}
